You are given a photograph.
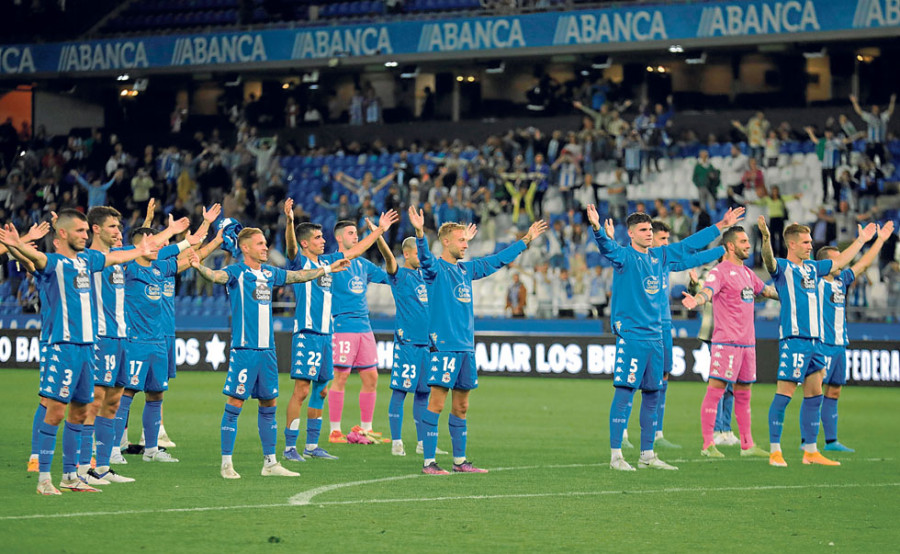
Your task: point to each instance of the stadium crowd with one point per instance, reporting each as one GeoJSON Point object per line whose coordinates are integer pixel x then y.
{"type": "Point", "coordinates": [623, 158]}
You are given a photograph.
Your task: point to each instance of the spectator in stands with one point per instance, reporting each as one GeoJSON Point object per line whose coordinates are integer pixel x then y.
{"type": "Point", "coordinates": [96, 190]}
{"type": "Point", "coordinates": [876, 135]}
{"type": "Point", "coordinates": [29, 299]}
{"type": "Point", "coordinates": [777, 213]}
{"type": "Point", "coordinates": [342, 210]}
{"type": "Point", "coordinates": [357, 107]}
{"type": "Point", "coordinates": [291, 113]}
{"type": "Point", "coordinates": [428, 105]}
{"type": "Point", "coordinates": [824, 230]}
{"type": "Point", "coordinates": [755, 130]}
{"type": "Point", "coordinates": [312, 116]}
{"type": "Point", "coordinates": [564, 294]}
{"type": "Point", "coordinates": [141, 187]}
{"type": "Point", "coordinates": [516, 297]}
{"type": "Point", "coordinates": [678, 222]}
{"type": "Point", "coordinates": [772, 149]}
{"type": "Point", "coordinates": [599, 290]}
{"type": "Point", "coordinates": [846, 221]}
{"type": "Point", "coordinates": [733, 169]}
{"type": "Point", "coordinates": [700, 218]}
{"type": "Point", "coordinates": [632, 148]}
{"type": "Point", "coordinates": [568, 176]}
{"type": "Point", "coordinates": [706, 178]}
{"type": "Point", "coordinates": [869, 178]}
{"type": "Point", "coordinates": [891, 276]}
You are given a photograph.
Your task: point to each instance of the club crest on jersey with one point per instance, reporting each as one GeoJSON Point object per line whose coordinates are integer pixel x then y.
{"type": "Point", "coordinates": [135, 379]}
{"type": "Point", "coordinates": [463, 293]}
{"type": "Point", "coordinates": [241, 389]}
{"type": "Point", "coordinates": [157, 272]}
{"type": "Point", "coordinates": [64, 392]}
{"type": "Point", "coordinates": [651, 285]}
{"type": "Point", "coordinates": [797, 373]}
{"type": "Point", "coordinates": [747, 294]}
{"type": "Point", "coordinates": [267, 273]}
{"type": "Point", "coordinates": [357, 285]}
{"type": "Point", "coordinates": [262, 293]}
{"type": "Point", "coordinates": [445, 378]}
{"type": "Point", "coordinates": [153, 292]}
{"type": "Point", "coordinates": [407, 383]}
{"type": "Point", "coordinates": [82, 281]}
{"type": "Point", "coordinates": [631, 378]}
{"type": "Point", "coordinates": [711, 277]}
{"type": "Point", "coordinates": [312, 372]}
{"type": "Point", "coordinates": [422, 293]}
{"type": "Point", "coordinates": [107, 378]}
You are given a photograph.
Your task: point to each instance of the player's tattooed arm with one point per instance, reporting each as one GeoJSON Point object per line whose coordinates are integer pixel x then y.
{"type": "Point", "coordinates": [768, 256]}
{"type": "Point", "coordinates": [209, 216]}
{"type": "Point", "coordinates": [390, 262]}
{"type": "Point", "coordinates": [194, 240]}
{"type": "Point", "coordinates": [304, 275]}
{"type": "Point", "coordinates": [290, 236]}
{"type": "Point", "coordinates": [216, 276]}
{"type": "Point", "coordinates": [697, 300]}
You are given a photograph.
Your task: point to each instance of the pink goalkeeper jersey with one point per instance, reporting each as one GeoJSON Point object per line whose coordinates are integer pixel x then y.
{"type": "Point", "coordinates": [734, 292]}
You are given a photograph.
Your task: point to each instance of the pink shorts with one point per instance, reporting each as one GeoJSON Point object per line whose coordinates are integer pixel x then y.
{"type": "Point", "coordinates": [733, 363]}
{"type": "Point", "coordinates": [354, 351]}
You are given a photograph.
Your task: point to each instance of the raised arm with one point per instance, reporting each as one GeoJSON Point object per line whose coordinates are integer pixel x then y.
{"type": "Point", "coordinates": [390, 262]}
{"type": "Point", "coordinates": [151, 210]}
{"type": "Point", "coordinates": [856, 107]}
{"type": "Point", "coordinates": [427, 261]}
{"type": "Point", "coordinates": [304, 275]}
{"type": "Point", "coordinates": [890, 111]}
{"type": "Point", "coordinates": [383, 182]}
{"type": "Point", "coordinates": [865, 235]}
{"type": "Point", "coordinates": [768, 257]}
{"type": "Point", "coordinates": [10, 237]}
{"type": "Point", "coordinates": [384, 223]}
{"type": "Point", "coordinates": [145, 248]}
{"type": "Point", "coordinates": [290, 235]}
{"type": "Point", "coordinates": [810, 132]}
{"type": "Point", "coordinates": [194, 240]}
{"type": "Point", "coordinates": [488, 265]}
{"type": "Point", "coordinates": [214, 275]}
{"type": "Point", "coordinates": [863, 263]}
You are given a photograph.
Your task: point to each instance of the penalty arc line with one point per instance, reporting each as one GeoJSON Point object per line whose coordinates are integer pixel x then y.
{"type": "Point", "coordinates": [668, 490]}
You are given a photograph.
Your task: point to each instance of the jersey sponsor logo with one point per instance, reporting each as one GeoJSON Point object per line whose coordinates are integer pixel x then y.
{"type": "Point", "coordinates": [262, 293]}
{"type": "Point", "coordinates": [82, 281]}
{"type": "Point", "coordinates": [808, 283]}
{"type": "Point", "coordinates": [153, 292]}
{"type": "Point", "coordinates": [838, 298]}
{"type": "Point", "coordinates": [169, 288]}
{"type": "Point", "coordinates": [422, 294]}
{"type": "Point", "coordinates": [747, 294]}
{"type": "Point", "coordinates": [463, 293]}
{"type": "Point", "coordinates": [651, 285]}
{"type": "Point", "coordinates": [357, 285]}
{"type": "Point", "coordinates": [324, 281]}
{"type": "Point", "coordinates": [117, 277]}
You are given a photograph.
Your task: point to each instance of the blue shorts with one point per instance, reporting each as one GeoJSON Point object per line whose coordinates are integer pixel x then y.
{"type": "Point", "coordinates": [639, 364]}
{"type": "Point", "coordinates": [799, 358]}
{"type": "Point", "coordinates": [69, 373]}
{"type": "Point", "coordinates": [668, 345]}
{"type": "Point", "coordinates": [109, 362]}
{"type": "Point", "coordinates": [409, 367]}
{"type": "Point", "coordinates": [311, 357]}
{"type": "Point", "coordinates": [452, 370]}
{"type": "Point", "coordinates": [43, 346]}
{"type": "Point", "coordinates": [170, 350]}
{"type": "Point", "coordinates": [252, 373]}
{"type": "Point", "coordinates": [835, 365]}
{"type": "Point", "coordinates": [147, 366]}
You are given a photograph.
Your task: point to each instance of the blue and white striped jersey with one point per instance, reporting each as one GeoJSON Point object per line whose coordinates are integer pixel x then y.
{"type": "Point", "coordinates": [68, 296]}
{"type": "Point", "coordinates": [832, 317]}
{"type": "Point", "coordinates": [109, 295]}
{"type": "Point", "coordinates": [313, 312]}
{"type": "Point", "coordinates": [796, 286]}
{"type": "Point", "coordinates": [250, 291]}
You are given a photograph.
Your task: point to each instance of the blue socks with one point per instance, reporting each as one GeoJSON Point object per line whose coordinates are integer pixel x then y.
{"type": "Point", "coordinates": [87, 445]}
{"type": "Point", "coordinates": [776, 417]}
{"type": "Point", "coordinates": [71, 447]}
{"type": "Point", "coordinates": [830, 418]}
{"type": "Point", "coordinates": [661, 407]}
{"type": "Point", "coordinates": [420, 404]}
{"type": "Point", "coordinates": [619, 413]}
{"type": "Point", "coordinates": [458, 436]}
{"type": "Point", "coordinates": [313, 428]}
{"type": "Point", "coordinates": [122, 418]}
{"type": "Point", "coordinates": [104, 431]}
{"type": "Point", "coordinates": [47, 434]}
{"type": "Point", "coordinates": [810, 413]}
{"type": "Point", "coordinates": [290, 436]}
{"type": "Point", "coordinates": [36, 429]}
{"type": "Point", "coordinates": [152, 417]}
{"type": "Point", "coordinates": [268, 429]}
{"type": "Point", "coordinates": [395, 414]}
{"type": "Point", "coordinates": [430, 425]}
{"type": "Point", "coordinates": [229, 428]}
{"type": "Point", "coordinates": [649, 405]}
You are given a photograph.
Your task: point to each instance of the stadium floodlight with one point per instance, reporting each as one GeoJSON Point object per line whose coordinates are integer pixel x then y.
{"type": "Point", "coordinates": [391, 63]}
{"type": "Point", "coordinates": [676, 49]}
{"type": "Point", "coordinates": [311, 77]}
{"type": "Point", "coordinates": [496, 67]}
{"type": "Point", "coordinates": [409, 72]}
{"type": "Point", "coordinates": [812, 54]}
{"type": "Point", "coordinates": [695, 58]}
{"type": "Point", "coordinates": [123, 77]}
{"type": "Point", "coordinates": [601, 62]}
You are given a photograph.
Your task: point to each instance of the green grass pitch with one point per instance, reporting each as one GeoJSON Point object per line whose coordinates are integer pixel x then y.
{"type": "Point", "coordinates": [550, 488]}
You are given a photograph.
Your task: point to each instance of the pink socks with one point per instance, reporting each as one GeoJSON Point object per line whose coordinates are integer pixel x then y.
{"type": "Point", "coordinates": [335, 405]}
{"type": "Point", "coordinates": [367, 408]}
{"type": "Point", "coordinates": [742, 414]}
{"type": "Point", "coordinates": [708, 410]}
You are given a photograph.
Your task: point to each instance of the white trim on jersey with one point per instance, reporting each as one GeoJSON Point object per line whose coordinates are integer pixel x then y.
{"type": "Point", "coordinates": [243, 313]}
{"type": "Point", "coordinates": [98, 294]}
{"type": "Point", "coordinates": [792, 303]}
{"type": "Point", "coordinates": [121, 325]}
{"type": "Point", "coordinates": [263, 311]}
{"type": "Point", "coordinates": [61, 284]}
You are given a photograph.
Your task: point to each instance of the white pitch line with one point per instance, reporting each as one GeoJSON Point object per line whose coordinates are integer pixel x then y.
{"type": "Point", "coordinates": [303, 498]}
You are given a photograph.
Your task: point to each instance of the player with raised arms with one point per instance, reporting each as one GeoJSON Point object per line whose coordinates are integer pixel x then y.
{"type": "Point", "coordinates": [311, 343]}
{"type": "Point", "coordinates": [253, 368]}
{"type": "Point", "coordinates": [451, 328]}
{"type": "Point", "coordinates": [732, 288]}
{"type": "Point", "coordinates": [68, 379]}
{"type": "Point", "coordinates": [801, 358]}
{"type": "Point", "coordinates": [637, 308]}
{"type": "Point", "coordinates": [832, 292]}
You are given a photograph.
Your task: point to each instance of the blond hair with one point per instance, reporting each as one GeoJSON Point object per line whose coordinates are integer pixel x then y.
{"type": "Point", "coordinates": [792, 231]}
{"type": "Point", "coordinates": [448, 228]}
{"type": "Point", "coordinates": [248, 232]}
